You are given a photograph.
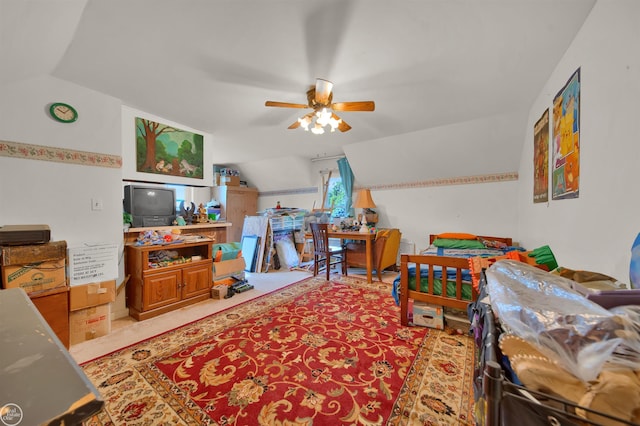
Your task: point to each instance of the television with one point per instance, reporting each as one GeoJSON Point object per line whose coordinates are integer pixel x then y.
{"type": "Point", "coordinates": [150, 206]}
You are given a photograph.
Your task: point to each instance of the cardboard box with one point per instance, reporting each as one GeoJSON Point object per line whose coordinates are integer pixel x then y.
{"type": "Point", "coordinates": [92, 294]}
{"type": "Point", "coordinates": [226, 268]}
{"type": "Point", "coordinates": [35, 277]}
{"type": "Point", "coordinates": [428, 315]}
{"type": "Point", "coordinates": [34, 253]}
{"type": "Point", "coordinates": [89, 323]}
{"type": "Point", "coordinates": [230, 180]}
{"type": "Point", "coordinates": [219, 291]}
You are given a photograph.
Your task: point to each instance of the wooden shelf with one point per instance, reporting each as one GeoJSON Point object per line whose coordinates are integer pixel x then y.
{"type": "Point", "coordinates": [185, 228]}
{"type": "Point", "coordinates": [215, 231]}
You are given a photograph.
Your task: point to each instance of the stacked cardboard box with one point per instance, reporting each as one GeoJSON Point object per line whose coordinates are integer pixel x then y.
{"type": "Point", "coordinates": [90, 306]}
{"type": "Point", "coordinates": [36, 268]}
{"type": "Point", "coordinates": [40, 270]}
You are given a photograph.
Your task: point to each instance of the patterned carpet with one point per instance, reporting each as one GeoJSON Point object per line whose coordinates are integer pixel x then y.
{"type": "Point", "coordinates": [315, 352]}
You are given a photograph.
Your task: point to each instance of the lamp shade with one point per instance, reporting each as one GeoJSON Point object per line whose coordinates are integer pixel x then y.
{"type": "Point", "coordinates": [364, 200]}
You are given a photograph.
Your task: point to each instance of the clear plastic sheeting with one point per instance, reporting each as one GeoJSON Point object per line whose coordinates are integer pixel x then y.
{"type": "Point", "coordinates": [568, 328]}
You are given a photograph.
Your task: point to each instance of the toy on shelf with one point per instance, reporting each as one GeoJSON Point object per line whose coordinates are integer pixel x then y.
{"type": "Point", "coordinates": [152, 237]}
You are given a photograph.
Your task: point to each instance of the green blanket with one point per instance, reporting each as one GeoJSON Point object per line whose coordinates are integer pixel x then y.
{"type": "Point", "coordinates": [437, 287]}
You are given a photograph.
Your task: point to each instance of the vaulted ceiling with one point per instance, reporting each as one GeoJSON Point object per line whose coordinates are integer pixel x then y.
{"type": "Point", "coordinates": [438, 70]}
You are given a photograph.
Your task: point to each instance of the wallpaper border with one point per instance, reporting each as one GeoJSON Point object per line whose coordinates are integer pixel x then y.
{"type": "Point", "coordinates": [60, 155]}
{"type": "Point", "coordinates": [461, 180]}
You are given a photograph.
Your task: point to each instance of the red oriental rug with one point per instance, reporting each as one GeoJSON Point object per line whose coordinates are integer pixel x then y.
{"type": "Point", "coordinates": [315, 352]}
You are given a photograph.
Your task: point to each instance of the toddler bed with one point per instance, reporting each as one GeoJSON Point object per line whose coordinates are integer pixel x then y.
{"type": "Point", "coordinates": [447, 256]}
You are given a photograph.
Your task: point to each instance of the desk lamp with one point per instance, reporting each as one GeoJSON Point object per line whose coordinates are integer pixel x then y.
{"type": "Point", "coordinates": [364, 201]}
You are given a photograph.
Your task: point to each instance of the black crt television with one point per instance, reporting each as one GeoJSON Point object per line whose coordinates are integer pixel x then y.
{"type": "Point", "coordinates": [150, 206]}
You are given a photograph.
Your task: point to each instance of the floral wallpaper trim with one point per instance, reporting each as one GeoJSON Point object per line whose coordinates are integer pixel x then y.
{"type": "Point", "coordinates": [60, 155]}
{"type": "Point", "coordinates": [461, 180]}
{"type": "Point", "coordinates": [310, 190]}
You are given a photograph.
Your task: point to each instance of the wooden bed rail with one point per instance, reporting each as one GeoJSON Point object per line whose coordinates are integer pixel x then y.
{"type": "Point", "coordinates": [425, 262]}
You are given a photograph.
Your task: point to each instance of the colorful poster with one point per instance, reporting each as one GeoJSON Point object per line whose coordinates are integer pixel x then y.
{"type": "Point", "coordinates": [566, 140]}
{"type": "Point", "coordinates": [541, 159]}
{"type": "Point", "coordinates": [167, 150]}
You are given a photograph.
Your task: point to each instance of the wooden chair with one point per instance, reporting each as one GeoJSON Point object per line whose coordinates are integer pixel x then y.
{"type": "Point", "coordinates": [323, 254]}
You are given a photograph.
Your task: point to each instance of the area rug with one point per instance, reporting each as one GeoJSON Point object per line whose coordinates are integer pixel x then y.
{"type": "Point", "coordinates": [315, 352]}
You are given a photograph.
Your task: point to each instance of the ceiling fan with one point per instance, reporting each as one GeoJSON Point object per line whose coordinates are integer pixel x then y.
{"type": "Point", "coordinates": [320, 100]}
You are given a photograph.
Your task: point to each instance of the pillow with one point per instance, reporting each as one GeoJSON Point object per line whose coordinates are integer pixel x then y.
{"type": "Point", "coordinates": [287, 253]}
{"type": "Point", "coordinates": [458, 244]}
{"type": "Point", "coordinates": [457, 236]}
{"type": "Point", "coordinates": [493, 244]}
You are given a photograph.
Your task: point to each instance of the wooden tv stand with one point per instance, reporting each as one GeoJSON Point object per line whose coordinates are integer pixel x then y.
{"type": "Point", "coordinates": [158, 287]}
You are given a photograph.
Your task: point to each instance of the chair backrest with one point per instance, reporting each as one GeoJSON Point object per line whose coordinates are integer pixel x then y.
{"type": "Point", "coordinates": [391, 248]}
{"type": "Point", "coordinates": [320, 232]}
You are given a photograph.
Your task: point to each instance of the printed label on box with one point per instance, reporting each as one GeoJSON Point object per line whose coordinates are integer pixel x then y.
{"type": "Point", "coordinates": [93, 263]}
{"type": "Point", "coordinates": [35, 277]}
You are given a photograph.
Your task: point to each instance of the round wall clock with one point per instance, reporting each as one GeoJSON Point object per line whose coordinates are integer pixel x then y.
{"type": "Point", "coordinates": [62, 112]}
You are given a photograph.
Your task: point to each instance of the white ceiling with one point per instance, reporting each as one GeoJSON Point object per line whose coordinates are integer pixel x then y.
{"type": "Point", "coordinates": [211, 64]}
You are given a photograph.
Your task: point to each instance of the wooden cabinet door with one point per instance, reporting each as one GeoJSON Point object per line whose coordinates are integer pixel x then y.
{"type": "Point", "coordinates": [54, 308]}
{"type": "Point", "coordinates": [240, 203]}
{"type": "Point", "coordinates": [196, 280]}
{"type": "Point", "coordinates": [161, 289]}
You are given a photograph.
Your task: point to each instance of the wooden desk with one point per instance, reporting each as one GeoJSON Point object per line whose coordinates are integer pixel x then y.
{"type": "Point", "coordinates": [368, 238]}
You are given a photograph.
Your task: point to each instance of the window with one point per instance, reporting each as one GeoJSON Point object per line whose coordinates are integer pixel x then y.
{"type": "Point", "coordinates": [336, 196]}
{"type": "Point", "coordinates": [183, 194]}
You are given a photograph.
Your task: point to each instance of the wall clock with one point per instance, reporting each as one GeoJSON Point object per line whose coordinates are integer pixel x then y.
{"type": "Point", "coordinates": [62, 112]}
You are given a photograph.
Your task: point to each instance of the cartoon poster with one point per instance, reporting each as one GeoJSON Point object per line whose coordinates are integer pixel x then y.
{"type": "Point", "coordinates": [541, 159]}
{"type": "Point", "coordinates": [168, 150]}
{"type": "Point", "coordinates": [566, 140]}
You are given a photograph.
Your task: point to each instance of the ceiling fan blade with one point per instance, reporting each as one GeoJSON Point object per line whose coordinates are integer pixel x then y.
{"type": "Point", "coordinates": [284, 105]}
{"type": "Point", "coordinates": [354, 106]}
{"type": "Point", "coordinates": [294, 125]}
{"type": "Point", "coordinates": [342, 126]}
{"type": "Point", "coordinates": [323, 91]}
{"type": "Point", "coordinates": [298, 123]}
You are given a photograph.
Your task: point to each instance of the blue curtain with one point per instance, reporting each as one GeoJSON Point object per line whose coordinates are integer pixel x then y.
{"type": "Point", "coordinates": [346, 175]}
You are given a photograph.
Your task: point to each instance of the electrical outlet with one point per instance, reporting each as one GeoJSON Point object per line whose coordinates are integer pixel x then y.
{"type": "Point", "coordinates": [96, 204]}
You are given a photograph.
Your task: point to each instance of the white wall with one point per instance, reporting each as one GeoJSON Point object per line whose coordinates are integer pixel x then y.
{"type": "Point", "coordinates": [55, 193]}
{"type": "Point", "coordinates": [59, 194]}
{"type": "Point", "coordinates": [595, 231]}
{"type": "Point", "coordinates": [485, 209]}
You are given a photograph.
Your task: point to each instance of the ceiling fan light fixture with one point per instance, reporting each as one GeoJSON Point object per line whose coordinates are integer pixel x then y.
{"type": "Point", "coordinates": [334, 123]}
{"type": "Point", "coordinates": [317, 129]}
{"type": "Point", "coordinates": [320, 101]}
{"type": "Point", "coordinates": [323, 117]}
{"type": "Point", "coordinates": [304, 122]}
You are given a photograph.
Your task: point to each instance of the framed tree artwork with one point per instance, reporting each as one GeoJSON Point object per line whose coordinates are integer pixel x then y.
{"type": "Point", "coordinates": [566, 140]}
{"type": "Point", "coordinates": [168, 150]}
